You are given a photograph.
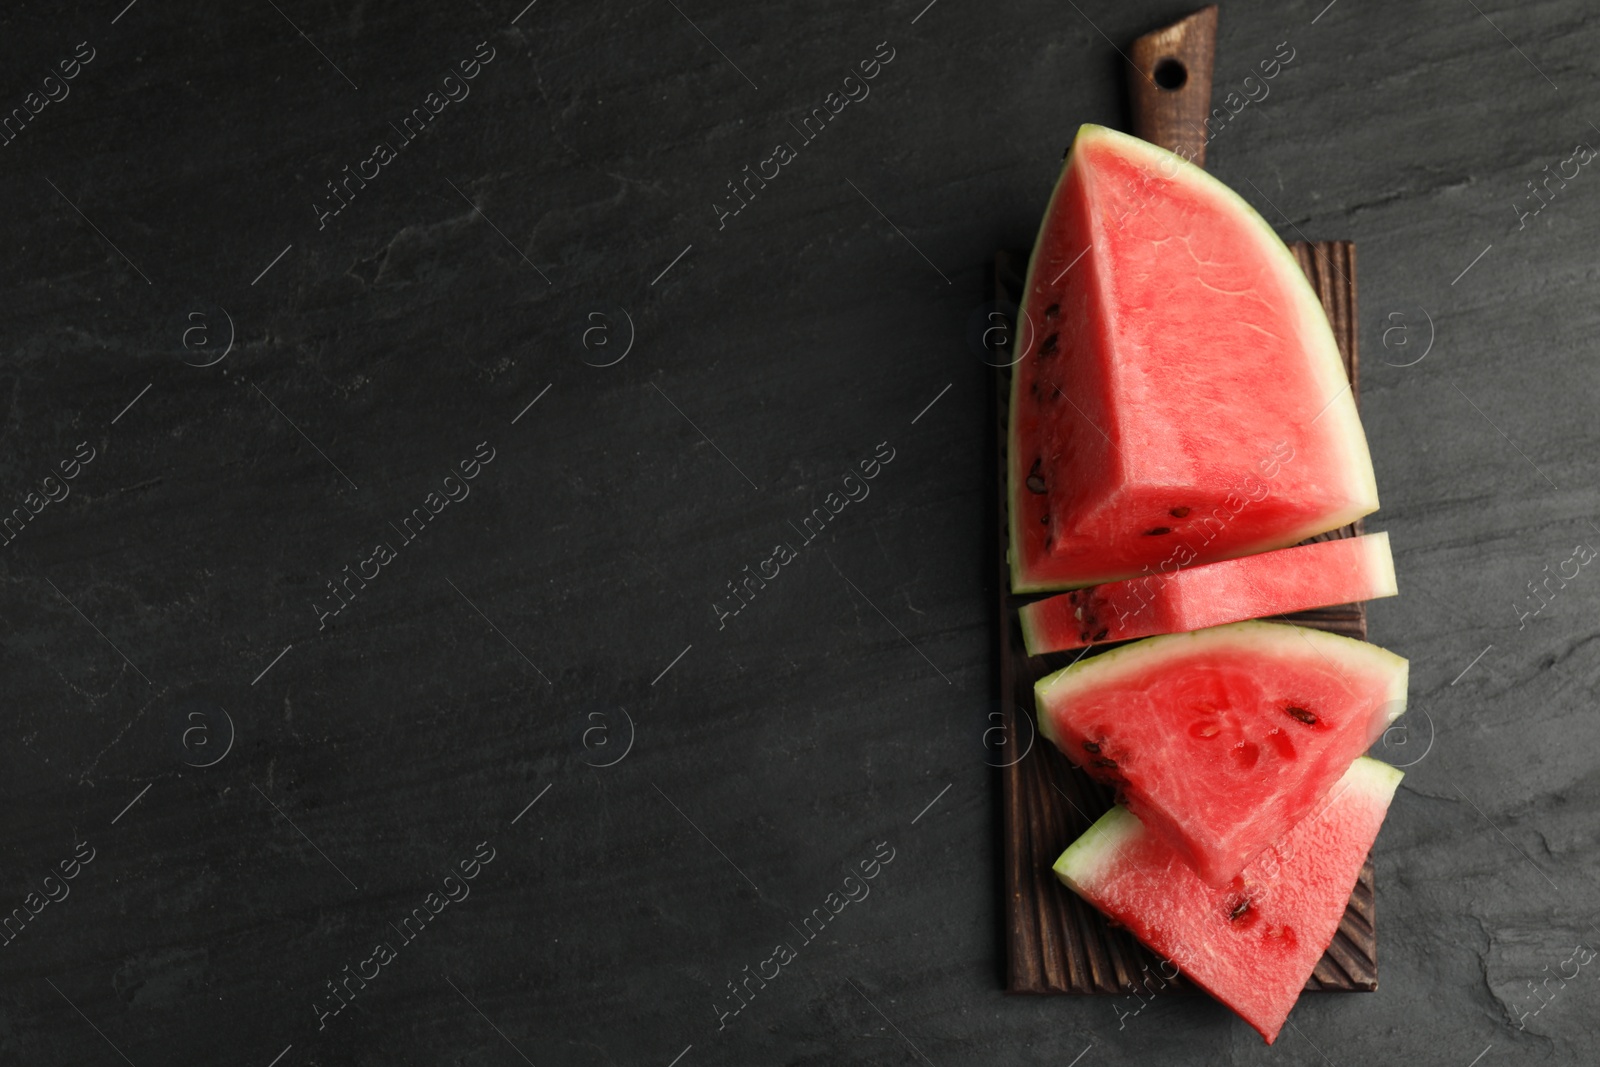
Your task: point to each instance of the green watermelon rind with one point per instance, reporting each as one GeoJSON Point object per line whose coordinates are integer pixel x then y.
{"type": "Point", "coordinates": [1329, 368]}
{"type": "Point", "coordinates": [1379, 558]}
{"type": "Point", "coordinates": [1086, 857]}
{"type": "Point", "coordinates": [1033, 641]}
{"type": "Point", "coordinates": [1153, 652]}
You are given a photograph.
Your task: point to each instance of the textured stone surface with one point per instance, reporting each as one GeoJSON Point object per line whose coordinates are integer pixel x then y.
{"type": "Point", "coordinates": [501, 655]}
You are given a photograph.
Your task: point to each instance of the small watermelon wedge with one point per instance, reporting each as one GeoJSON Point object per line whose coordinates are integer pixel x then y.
{"type": "Point", "coordinates": [1177, 394]}
{"type": "Point", "coordinates": [1340, 571]}
{"type": "Point", "coordinates": [1222, 739]}
{"type": "Point", "coordinates": [1252, 944]}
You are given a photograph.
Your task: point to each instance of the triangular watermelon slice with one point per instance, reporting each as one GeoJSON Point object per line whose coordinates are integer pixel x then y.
{"type": "Point", "coordinates": [1253, 944]}
{"type": "Point", "coordinates": [1178, 396]}
{"type": "Point", "coordinates": [1341, 571]}
{"type": "Point", "coordinates": [1222, 739]}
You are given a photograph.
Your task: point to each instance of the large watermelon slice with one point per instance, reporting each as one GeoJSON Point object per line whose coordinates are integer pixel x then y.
{"type": "Point", "coordinates": [1222, 739]}
{"type": "Point", "coordinates": [1252, 944]}
{"type": "Point", "coordinates": [1178, 396]}
{"type": "Point", "coordinates": [1341, 571]}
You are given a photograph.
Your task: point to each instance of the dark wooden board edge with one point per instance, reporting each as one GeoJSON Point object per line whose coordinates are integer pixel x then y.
{"type": "Point", "coordinates": [1055, 942]}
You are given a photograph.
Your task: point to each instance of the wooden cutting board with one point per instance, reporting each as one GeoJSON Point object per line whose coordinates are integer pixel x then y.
{"type": "Point", "coordinates": [1056, 943]}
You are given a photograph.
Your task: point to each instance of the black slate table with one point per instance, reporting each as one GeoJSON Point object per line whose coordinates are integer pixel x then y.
{"type": "Point", "coordinates": [497, 562]}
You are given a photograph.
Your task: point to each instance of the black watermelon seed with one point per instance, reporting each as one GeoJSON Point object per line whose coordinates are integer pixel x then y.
{"type": "Point", "coordinates": [1158, 531]}
{"type": "Point", "coordinates": [1100, 634]}
{"type": "Point", "coordinates": [1178, 513]}
{"type": "Point", "coordinates": [1049, 346]}
{"type": "Point", "coordinates": [1239, 911]}
{"type": "Point", "coordinates": [1035, 479]}
{"type": "Point", "coordinates": [1301, 714]}
{"type": "Point", "coordinates": [1091, 746]}
{"type": "Point", "coordinates": [1109, 764]}
{"type": "Point", "coordinates": [1053, 311]}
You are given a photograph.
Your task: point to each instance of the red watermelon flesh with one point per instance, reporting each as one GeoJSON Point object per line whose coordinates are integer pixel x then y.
{"type": "Point", "coordinates": [1221, 739]}
{"type": "Point", "coordinates": [1252, 944]}
{"type": "Point", "coordinates": [1177, 394]}
{"type": "Point", "coordinates": [1341, 571]}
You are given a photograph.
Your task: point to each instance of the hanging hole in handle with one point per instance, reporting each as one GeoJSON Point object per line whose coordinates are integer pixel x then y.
{"type": "Point", "coordinates": [1171, 74]}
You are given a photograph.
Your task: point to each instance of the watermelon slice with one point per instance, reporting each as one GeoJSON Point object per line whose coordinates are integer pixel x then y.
{"type": "Point", "coordinates": [1253, 944]}
{"type": "Point", "coordinates": [1177, 396]}
{"type": "Point", "coordinates": [1340, 571]}
{"type": "Point", "coordinates": [1222, 739]}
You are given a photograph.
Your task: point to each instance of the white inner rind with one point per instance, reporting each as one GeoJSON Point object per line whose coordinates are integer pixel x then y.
{"type": "Point", "coordinates": [1381, 560]}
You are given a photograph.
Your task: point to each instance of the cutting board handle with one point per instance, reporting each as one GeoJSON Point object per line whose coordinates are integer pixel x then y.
{"type": "Point", "coordinates": [1169, 84]}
